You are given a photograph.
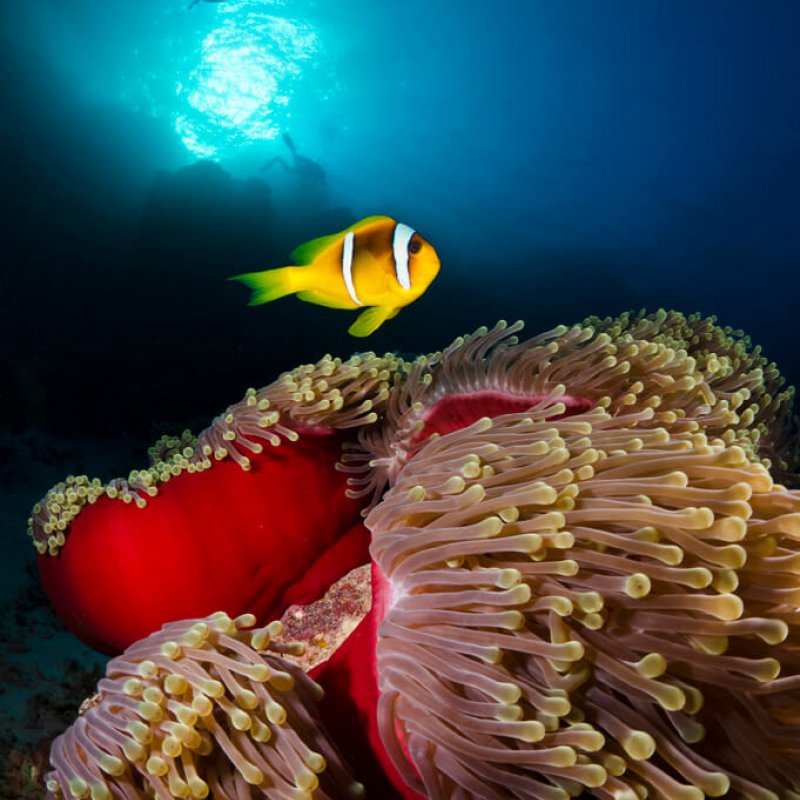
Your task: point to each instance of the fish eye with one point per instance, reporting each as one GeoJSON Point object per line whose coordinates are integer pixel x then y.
{"type": "Point", "coordinates": [414, 246]}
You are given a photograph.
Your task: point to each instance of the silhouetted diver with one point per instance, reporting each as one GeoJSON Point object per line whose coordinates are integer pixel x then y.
{"type": "Point", "coordinates": [195, 2]}
{"type": "Point", "coordinates": [308, 170]}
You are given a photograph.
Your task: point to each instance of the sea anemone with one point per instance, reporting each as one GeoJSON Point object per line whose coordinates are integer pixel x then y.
{"type": "Point", "coordinates": [730, 363]}
{"type": "Point", "coordinates": [598, 598]}
{"type": "Point", "coordinates": [585, 575]}
{"type": "Point", "coordinates": [234, 518]}
{"type": "Point", "coordinates": [205, 707]}
{"type": "Point", "coordinates": [688, 371]}
{"type": "Point", "coordinates": [583, 603]}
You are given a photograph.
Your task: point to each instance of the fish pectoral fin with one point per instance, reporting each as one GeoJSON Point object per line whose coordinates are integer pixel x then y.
{"type": "Point", "coordinates": [371, 319]}
{"type": "Point", "coordinates": [322, 300]}
{"type": "Point", "coordinates": [270, 284]}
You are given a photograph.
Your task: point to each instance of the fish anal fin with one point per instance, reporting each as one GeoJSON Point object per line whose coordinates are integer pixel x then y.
{"type": "Point", "coordinates": [371, 319]}
{"type": "Point", "coordinates": [322, 300]}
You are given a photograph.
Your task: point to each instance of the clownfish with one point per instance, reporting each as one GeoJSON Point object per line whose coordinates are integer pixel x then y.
{"type": "Point", "coordinates": [378, 262]}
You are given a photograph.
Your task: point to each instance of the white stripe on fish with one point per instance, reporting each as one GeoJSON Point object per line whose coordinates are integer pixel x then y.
{"type": "Point", "coordinates": [347, 266]}
{"type": "Point", "coordinates": [402, 236]}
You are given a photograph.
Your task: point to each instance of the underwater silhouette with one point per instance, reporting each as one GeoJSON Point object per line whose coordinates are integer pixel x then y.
{"type": "Point", "coordinates": [308, 171]}
{"type": "Point", "coordinates": [195, 2]}
{"type": "Point", "coordinates": [203, 213]}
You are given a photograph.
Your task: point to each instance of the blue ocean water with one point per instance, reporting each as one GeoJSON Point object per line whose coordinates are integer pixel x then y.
{"type": "Point", "coordinates": [566, 158]}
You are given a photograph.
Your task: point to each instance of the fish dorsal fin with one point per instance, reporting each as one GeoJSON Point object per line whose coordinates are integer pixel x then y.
{"type": "Point", "coordinates": [308, 251]}
{"type": "Point", "coordinates": [368, 221]}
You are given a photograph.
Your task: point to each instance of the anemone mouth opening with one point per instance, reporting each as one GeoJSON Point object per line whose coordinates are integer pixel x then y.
{"type": "Point", "coordinates": [460, 410]}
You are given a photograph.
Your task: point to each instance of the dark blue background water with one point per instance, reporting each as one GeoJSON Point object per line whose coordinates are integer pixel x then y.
{"type": "Point", "coordinates": [566, 158]}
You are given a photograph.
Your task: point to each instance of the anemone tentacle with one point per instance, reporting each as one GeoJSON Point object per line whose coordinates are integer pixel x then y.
{"type": "Point", "coordinates": [692, 373]}
{"type": "Point", "coordinates": [571, 597]}
{"type": "Point", "coordinates": [203, 708]}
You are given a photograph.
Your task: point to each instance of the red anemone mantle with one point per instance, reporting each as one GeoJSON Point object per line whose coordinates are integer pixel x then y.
{"type": "Point", "coordinates": [256, 540]}
{"type": "Point", "coordinates": [250, 515]}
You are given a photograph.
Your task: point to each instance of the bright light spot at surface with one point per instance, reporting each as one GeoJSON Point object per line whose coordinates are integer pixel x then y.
{"type": "Point", "coordinates": [240, 90]}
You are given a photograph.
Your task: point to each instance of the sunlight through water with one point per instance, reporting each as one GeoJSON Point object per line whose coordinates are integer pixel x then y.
{"type": "Point", "coordinates": [240, 89]}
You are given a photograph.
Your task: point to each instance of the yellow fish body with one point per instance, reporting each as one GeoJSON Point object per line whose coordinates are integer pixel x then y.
{"type": "Point", "coordinates": [378, 262]}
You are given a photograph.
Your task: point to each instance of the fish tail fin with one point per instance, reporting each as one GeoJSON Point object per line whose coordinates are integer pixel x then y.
{"type": "Point", "coordinates": [371, 319]}
{"type": "Point", "coordinates": [269, 285]}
